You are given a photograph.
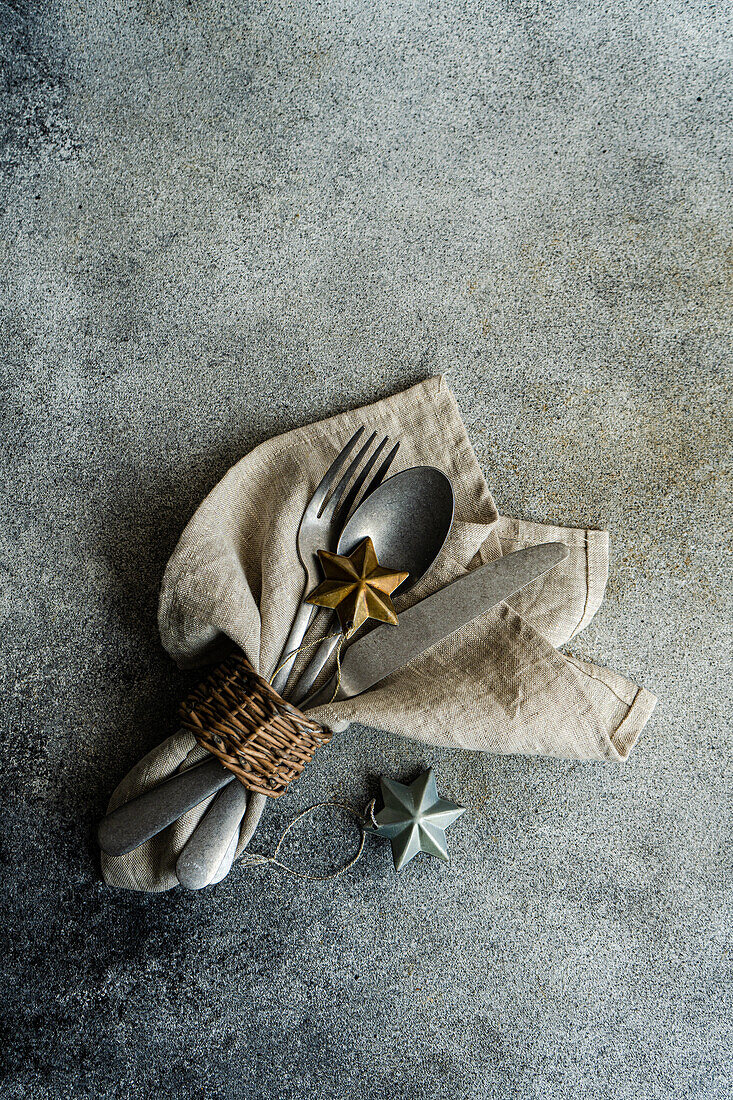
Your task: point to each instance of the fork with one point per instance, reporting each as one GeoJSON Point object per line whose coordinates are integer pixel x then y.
{"type": "Point", "coordinates": [320, 526]}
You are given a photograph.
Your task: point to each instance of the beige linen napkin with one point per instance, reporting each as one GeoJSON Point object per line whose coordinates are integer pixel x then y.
{"type": "Point", "coordinates": [498, 685]}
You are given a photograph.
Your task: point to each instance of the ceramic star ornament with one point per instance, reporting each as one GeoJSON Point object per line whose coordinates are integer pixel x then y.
{"type": "Point", "coordinates": [357, 587]}
{"type": "Point", "coordinates": [415, 818]}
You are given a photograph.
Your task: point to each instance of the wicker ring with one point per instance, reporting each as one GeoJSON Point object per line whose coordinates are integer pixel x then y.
{"type": "Point", "coordinates": [240, 718]}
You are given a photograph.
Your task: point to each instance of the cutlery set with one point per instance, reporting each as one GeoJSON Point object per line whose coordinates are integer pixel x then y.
{"type": "Point", "coordinates": [408, 517]}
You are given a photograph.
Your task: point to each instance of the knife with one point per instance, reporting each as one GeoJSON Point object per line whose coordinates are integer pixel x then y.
{"type": "Point", "coordinates": [386, 650]}
{"type": "Point", "coordinates": [365, 663]}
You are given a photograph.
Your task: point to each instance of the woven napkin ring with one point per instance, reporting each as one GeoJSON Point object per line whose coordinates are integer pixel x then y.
{"type": "Point", "coordinates": [236, 715]}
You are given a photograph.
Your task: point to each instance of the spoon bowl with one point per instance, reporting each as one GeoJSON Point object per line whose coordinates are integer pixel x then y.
{"type": "Point", "coordinates": [408, 518]}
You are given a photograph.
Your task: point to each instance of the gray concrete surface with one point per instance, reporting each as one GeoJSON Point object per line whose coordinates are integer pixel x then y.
{"type": "Point", "coordinates": [221, 220]}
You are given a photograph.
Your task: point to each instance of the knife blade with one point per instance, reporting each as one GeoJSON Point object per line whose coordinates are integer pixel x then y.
{"type": "Point", "coordinates": [387, 649]}
{"type": "Point", "coordinates": [365, 663]}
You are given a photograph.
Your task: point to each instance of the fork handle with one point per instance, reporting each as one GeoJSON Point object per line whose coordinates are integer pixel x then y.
{"type": "Point", "coordinates": [209, 844]}
{"type": "Point", "coordinates": [301, 622]}
{"type": "Point", "coordinates": [310, 673]}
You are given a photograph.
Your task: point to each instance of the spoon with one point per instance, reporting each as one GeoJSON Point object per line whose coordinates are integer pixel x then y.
{"type": "Point", "coordinates": [408, 524]}
{"type": "Point", "coordinates": [408, 518]}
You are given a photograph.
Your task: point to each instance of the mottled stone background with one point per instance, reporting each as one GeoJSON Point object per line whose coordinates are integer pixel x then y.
{"type": "Point", "coordinates": [220, 220]}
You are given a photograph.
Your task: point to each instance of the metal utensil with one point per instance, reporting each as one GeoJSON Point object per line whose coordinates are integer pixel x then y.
{"type": "Point", "coordinates": [387, 649]}
{"type": "Point", "coordinates": [408, 518]}
{"type": "Point", "coordinates": [213, 840]}
{"type": "Point", "coordinates": [137, 820]}
{"type": "Point", "coordinates": [319, 529]}
{"type": "Point", "coordinates": [320, 526]}
{"type": "Point", "coordinates": [226, 864]}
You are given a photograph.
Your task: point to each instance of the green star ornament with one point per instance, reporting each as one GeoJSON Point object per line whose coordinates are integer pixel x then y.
{"type": "Point", "coordinates": [414, 818]}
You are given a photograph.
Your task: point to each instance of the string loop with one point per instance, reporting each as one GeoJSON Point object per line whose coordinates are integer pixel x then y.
{"type": "Point", "coordinates": [342, 641]}
{"type": "Point", "coordinates": [258, 859]}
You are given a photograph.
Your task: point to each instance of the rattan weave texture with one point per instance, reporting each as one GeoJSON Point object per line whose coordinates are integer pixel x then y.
{"type": "Point", "coordinates": [239, 717]}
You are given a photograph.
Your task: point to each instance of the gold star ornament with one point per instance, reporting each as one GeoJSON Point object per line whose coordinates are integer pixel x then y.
{"type": "Point", "coordinates": [357, 587]}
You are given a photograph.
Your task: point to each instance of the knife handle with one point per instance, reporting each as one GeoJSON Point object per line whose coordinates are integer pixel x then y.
{"type": "Point", "coordinates": [137, 820]}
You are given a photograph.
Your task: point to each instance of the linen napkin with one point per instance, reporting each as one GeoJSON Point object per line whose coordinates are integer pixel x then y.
{"type": "Point", "coordinates": [497, 685]}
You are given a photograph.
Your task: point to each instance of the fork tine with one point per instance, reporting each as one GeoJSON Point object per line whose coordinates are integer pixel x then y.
{"type": "Point", "coordinates": [349, 500]}
{"type": "Point", "coordinates": [376, 480]}
{"type": "Point", "coordinates": [316, 501]}
{"type": "Point", "coordinates": [351, 469]}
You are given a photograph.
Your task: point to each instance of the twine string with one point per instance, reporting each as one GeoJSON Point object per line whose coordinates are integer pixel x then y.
{"type": "Point", "coordinates": [363, 820]}
{"type": "Point", "coordinates": [343, 637]}
{"type": "Point", "coordinates": [304, 646]}
{"type": "Point", "coordinates": [350, 629]}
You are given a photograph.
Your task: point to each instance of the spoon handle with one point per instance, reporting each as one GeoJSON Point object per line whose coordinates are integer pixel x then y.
{"type": "Point", "coordinates": [226, 864]}
{"type": "Point", "coordinates": [209, 844]}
